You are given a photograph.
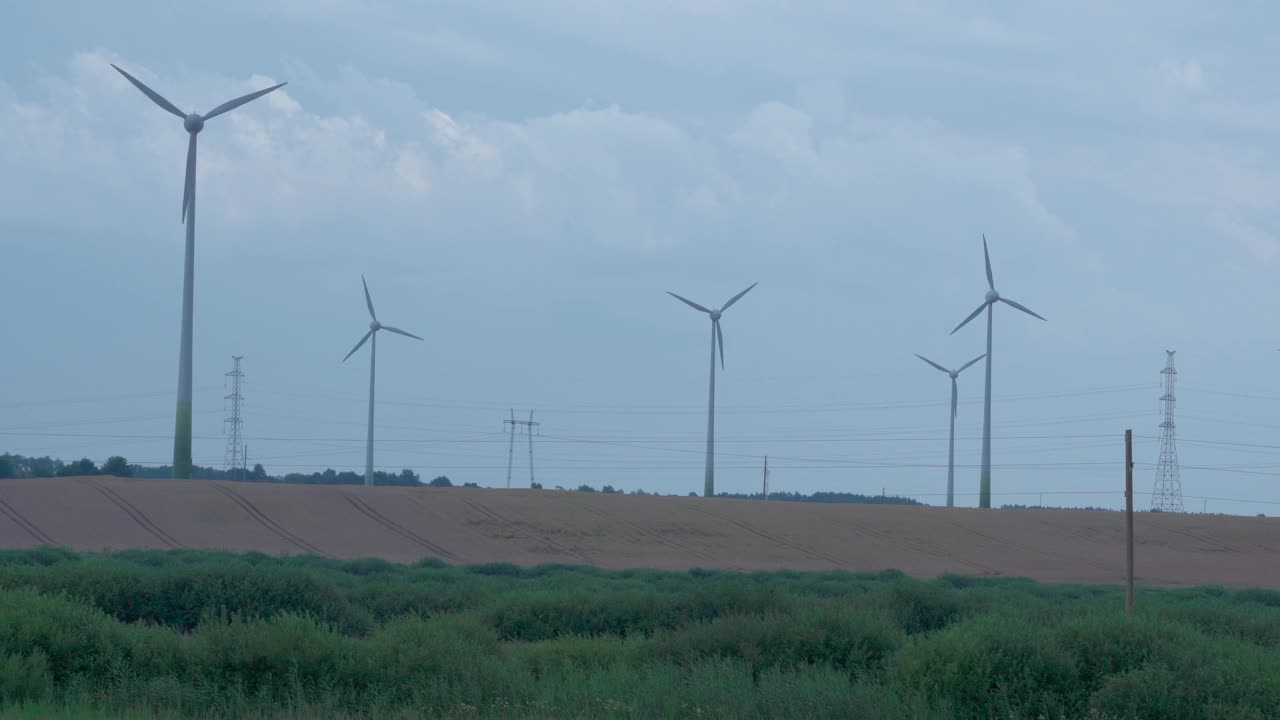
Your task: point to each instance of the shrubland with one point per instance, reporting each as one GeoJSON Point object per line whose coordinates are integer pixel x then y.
{"type": "Point", "coordinates": [205, 634]}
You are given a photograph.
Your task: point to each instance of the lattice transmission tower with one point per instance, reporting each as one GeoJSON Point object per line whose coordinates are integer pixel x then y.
{"type": "Point", "coordinates": [1167, 496]}
{"type": "Point", "coordinates": [529, 426]}
{"type": "Point", "coordinates": [234, 459]}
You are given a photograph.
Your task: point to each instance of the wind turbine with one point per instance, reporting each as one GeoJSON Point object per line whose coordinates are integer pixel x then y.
{"type": "Point", "coordinates": [374, 327]}
{"type": "Point", "coordinates": [993, 297]}
{"type": "Point", "coordinates": [194, 123]}
{"type": "Point", "coordinates": [951, 448]}
{"type": "Point", "coordinates": [717, 340]}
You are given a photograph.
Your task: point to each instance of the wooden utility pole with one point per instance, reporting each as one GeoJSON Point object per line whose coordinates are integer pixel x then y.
{"type": "Point", "coordinates": [765, 488]}
{"type": "Point", "coordinates": [1128, 522]}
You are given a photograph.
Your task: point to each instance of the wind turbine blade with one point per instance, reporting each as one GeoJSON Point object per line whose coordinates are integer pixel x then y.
{"type": "Point", "coordinates": [991, 283]}
{"type": "Point", "coordinates": [233, 104]}
{"type": "Point", "coordinates": [972, 315]}
{"type": "Point", "coordinates": [932, 363]}
{"type": "Point", "coordinates": [155, 96]}
{"type": "Point", "coordinates": [398, 331]}
{"type": "Point", "coordinates": [688, 302]}
{"type": "Point", "coordinates": [954, 398]}
{"type": "Point", "coordinates": [720, 342]}
{"type": "Point", "coordinates": [189, 187]}
{"type": "Point", "coordinates": [735, 298]}
{"type": "Point", "coordinates": [357, 347]}
{"type": "Point", "coordinates": [966, 365]}
{"type": "Point", "coordinates": [367, 300]}
{"type": "Point", "coordinates": [1021, 307]}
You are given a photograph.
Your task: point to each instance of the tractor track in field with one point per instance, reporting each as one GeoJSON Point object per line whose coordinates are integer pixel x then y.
{"type": "Point", "coordinates": [31, 528]}
{"type": "Point", "coordinates": [1024, 548]}
{"type": "Point", "coordinates": [1221, 546]}
{"type": "Point", "coordinates": [645, 532]}
{"type": "Point", "coordinates": [368, 511]}
{"type": "Point", "coordinates": [265, 521]}
{"type": "Point", "coordinates": [133, 512]}
{"type": "Point", "coordinates": [495, 517]}
{"type": "Point", "coordinates": [921, 548]}
{"type": "Point", "coordinates": [764, 535]}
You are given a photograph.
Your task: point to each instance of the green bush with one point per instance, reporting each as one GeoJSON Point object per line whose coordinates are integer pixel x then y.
{"type": "Point", "coordinates": [991, 663]}
{"type": "Point", "coordinates": [274, 657]}
{"type": "Point", "coordinates": [25, 677]}
{"type": "Point", "coordinates": [209, 634]}
{"type": "Point", "coordinates": [921, 607]}
{"type": "Point", "coordinates": [825, 636]}
{"type": "Point", "coordinates": [74, 639]}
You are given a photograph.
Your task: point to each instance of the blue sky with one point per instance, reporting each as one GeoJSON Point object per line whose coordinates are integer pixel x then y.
{"type": "Point", "coordinates": [521, 182]}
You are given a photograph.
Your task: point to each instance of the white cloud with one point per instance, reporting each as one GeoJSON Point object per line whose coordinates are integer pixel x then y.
{"type": "Point", "coordinates": [1185, 76]}
{"type": "Point", "coordinates": [781, 132]}
{"type": "Point", "coordinates": [279, 100]}
{"type": "Point", "coordinates": [994, 32]}
{"type": "Point", "coordinates": [1261, 245]}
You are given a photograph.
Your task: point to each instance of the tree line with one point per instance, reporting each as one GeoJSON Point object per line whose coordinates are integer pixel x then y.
{"type": "Point", "coordinates": [19, 466]}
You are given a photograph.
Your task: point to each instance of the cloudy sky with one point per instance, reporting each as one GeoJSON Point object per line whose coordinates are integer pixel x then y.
{"type": "Point", "coordinates": [521, 182]}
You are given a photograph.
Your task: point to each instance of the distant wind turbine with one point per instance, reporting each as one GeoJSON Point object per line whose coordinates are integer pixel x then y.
{"type": "Point", "coordinates": [993, 297]}
{"type": "Point", "coordinates": [374, 327]}
{"type": "Point", "coordinates": [194, 123]}
{"type": "Point", "coordinates": [951, 448]}
{"type": "Point", "coordinates": [717, 340]}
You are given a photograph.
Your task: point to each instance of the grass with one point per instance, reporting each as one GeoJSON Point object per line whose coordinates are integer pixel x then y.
{"type": "Point", "coordinates": [203, 634]}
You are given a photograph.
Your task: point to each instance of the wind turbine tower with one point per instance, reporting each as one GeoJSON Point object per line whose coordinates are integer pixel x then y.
{"type": "Point", "coordinates": [1168, 491]}
{"type": "Point", "coordinates": [717, 340]}
{"type": "Point", "coordinates": [193, 122]}
{"type": "Point", "coordinates": [989, 302]}
{"type": "Point", "coordinates": [374, 327]}
{"type": "Point", "coordinates": [951, 448]}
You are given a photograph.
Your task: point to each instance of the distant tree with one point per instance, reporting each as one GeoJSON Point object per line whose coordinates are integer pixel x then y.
{"type": "Point", "coordinates": [409, 477]}
{"type": "Point", "coordinates": [8, 466]}
{"type": "Point", "coordinates": [586, 488]}
{"type": "Point", "coordinates": [440, 481]}
{"type": "Point", "coordinates": [83, 466]}
{"type": "Point", "coordinates": [259, 473]}
{"type": "Point", "coordinates": [609, 489]}
{"type": "Point", "coordinates": [470, 485]}
{"type": "Point", "coordinates": [559, 487]}
{"type": "Point", "coordinates": [118, 466]}
{"type": "Point", "coordinates": [44, 466]}
{"type": "Point", "coordinates": [693, 494]}
{"type": "Point", "coordinates": [535, 486]}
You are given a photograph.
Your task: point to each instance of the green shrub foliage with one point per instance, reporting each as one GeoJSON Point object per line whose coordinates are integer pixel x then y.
{"type": "Point", "coordinates": [204, 634]}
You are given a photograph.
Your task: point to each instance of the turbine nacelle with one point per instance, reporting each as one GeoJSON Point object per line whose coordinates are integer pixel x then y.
{"type": "Point", "coordinates": [374, 325]}
{"type": "Point", "coordinates": [194, 123]}
{"type": "Point", "coordinates": [992, 297]}
{"type": "Point", "coordinates": [717, 335]}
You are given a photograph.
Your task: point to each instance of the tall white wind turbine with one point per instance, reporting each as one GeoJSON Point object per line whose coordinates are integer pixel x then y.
{"type": "Point", "coordinates": [374, 327]}
{"type": "Point", "coordinates": [717, 340]}
{"type": "Point", "coordinates": [194, 123]}
{"type": "Point", "coordinates": [993, 297]}
{"type": "Point", "coordinates": [951, 448]}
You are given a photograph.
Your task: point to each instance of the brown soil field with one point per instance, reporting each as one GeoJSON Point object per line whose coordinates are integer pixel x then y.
{"type": "Point", "coordinates": [530, 527]}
